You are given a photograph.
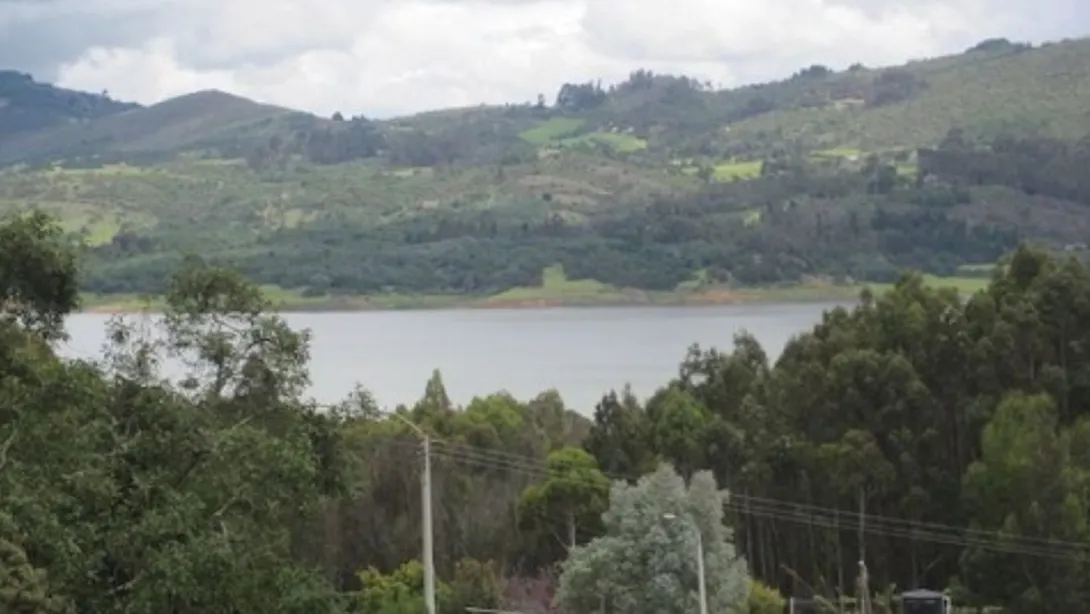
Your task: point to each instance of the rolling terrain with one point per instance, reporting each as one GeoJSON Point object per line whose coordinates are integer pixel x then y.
{"type": "Point", "coordinates": [656, 189]}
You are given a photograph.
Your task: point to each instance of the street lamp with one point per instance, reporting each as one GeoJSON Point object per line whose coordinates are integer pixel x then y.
{"type": "Point", "coordinates": [699, 564]}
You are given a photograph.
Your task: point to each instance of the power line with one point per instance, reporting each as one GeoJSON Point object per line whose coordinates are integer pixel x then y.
{"type": "Point", "coordinates": [538, 465]}
{"type": "Point", "coordinates": [802, 513]}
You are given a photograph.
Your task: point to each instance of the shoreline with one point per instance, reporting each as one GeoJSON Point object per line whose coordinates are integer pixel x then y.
{"type": "Point", "coordinates": [128, 305]}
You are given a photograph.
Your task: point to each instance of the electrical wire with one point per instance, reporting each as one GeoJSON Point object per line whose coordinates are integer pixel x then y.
{"type": "Point", "coordinates": [535, 464]}
{"type": "Point", "coordinates": [790, 511]}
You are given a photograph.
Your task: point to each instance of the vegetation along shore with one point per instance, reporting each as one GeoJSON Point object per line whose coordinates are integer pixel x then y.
{"type": "Point", "coordinates": [555, 292]}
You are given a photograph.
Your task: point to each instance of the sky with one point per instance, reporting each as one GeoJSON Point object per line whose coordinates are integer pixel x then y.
{"type": "Point", "coordinates": [385, 58]}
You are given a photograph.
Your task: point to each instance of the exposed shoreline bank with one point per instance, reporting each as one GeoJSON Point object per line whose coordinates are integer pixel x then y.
{"type": "Point", "coordinates": [124, 305]}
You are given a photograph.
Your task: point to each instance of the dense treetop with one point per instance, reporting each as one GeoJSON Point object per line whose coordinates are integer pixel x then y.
{"type": "Point", "coordinates": [957, 425]}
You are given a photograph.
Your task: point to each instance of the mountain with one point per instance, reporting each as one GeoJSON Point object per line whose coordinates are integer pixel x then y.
{"type": "Point", "coordinates": [198, 120]}
{"type": "Point", "coordinates": [28, 106]}
{"type": "Point", "coordinates": [656, 188]}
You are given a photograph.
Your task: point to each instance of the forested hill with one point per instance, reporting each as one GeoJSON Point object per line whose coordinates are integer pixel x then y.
{"type": "Point", "coordinates": [659, 186]}
{"type": "Point", "coordinates": [29, 106]}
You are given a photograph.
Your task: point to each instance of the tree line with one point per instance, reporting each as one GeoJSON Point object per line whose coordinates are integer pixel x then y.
{"type": "Point", "coordinates": [941, 438]}
{"type": "Point", "coordinates": [800, 218]}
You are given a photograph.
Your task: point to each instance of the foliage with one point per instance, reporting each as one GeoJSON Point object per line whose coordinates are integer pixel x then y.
{"type": "Point", "coordinates": [957, 424]}
{"type": "Point", "coordinates": [132, 497]}
{"type": "Point", "coordinates": [646, 561]}
{"type": "Point", "coordinates": [474, 584]}
{"type": "Point", "coordinates": [763, 600]}
{"type": "Point", "coordinates": [568, 504]}
{"type": "Point", "coordinates": [38, 283]}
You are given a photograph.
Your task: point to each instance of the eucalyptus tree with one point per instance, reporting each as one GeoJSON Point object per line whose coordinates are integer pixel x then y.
{"type": "Point", "coordinates": [647, 560]}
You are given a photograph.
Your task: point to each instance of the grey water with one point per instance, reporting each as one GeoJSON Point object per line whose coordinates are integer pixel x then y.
{"type": "Point", "coordinates": [581, 352]}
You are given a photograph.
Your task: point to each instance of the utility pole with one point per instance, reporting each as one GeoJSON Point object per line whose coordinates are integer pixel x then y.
{"type": "Point", "coordinates": [425, 517]}
{"type": "Point", "coordinates": [426, 529]}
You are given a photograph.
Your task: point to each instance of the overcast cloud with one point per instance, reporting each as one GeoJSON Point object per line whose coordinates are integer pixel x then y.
{"type": "Point", "coordinates": [391, 57]}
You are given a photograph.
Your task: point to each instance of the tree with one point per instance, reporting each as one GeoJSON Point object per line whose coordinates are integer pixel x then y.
{"type": "Point", "coordinates": [222, 328]}
{"type": "Point", "coordinates": [619, 437]}
{"type": "Point", "coordinates": [1027, 484]}
{"type": "Point", "coordinates": [646, 562]}
{"type": "Point", "coordinates": [24, 589]}
{"type": "Point", "coordinates": [678, 425]}
{"type": "Point", "coordinates": [39, 282]}
{"type": "Point", "coordinates": [565, 508]}
{"type": "Point", "coordinates": [122, 494]}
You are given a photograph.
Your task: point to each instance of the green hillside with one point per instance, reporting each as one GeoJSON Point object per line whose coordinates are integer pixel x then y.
{"type": "Point", "coordinates": [1039, 92]}
{"type": "Point", "coordinates": [209, 119]}
{"type": "Point", "coordinates": [27, 106]}
{"type": "Point", "coordinates": [656, 189]}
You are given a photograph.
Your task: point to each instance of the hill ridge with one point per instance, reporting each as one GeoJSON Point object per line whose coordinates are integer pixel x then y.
{"type": "Point", "coordinates": [655, 186]}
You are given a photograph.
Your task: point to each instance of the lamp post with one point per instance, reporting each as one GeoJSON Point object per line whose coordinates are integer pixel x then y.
{"type": "Point", "coordinates": [699, 565]}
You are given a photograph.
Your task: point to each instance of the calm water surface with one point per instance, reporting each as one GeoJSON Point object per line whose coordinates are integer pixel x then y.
{"type": "Point", "coordinates": [581, 352]}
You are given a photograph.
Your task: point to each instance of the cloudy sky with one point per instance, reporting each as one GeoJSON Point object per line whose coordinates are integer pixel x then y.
{"type": "Point", "coordinates": [391, 57]}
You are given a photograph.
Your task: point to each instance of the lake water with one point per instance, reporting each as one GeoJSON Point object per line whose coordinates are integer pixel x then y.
{"type": "Point", "coordinates": [581, 352]}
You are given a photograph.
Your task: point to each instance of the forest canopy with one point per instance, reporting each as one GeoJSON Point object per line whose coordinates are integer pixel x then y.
{"type": "Point", "coordinates": [949, 432]}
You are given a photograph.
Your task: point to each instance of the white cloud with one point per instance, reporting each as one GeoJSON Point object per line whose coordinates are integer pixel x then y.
{"type": "Point", "coordinates": [148, 74]}
{"type": "Point", "coordinates": [386, 57]}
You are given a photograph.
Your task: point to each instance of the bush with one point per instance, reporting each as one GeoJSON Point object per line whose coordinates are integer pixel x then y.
{"type": "Point", "coordinates": [764, 599]}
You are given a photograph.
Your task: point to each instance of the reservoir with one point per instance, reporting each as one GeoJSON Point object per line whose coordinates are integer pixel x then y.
{"type": "Point", "coordinates": [581, 352]}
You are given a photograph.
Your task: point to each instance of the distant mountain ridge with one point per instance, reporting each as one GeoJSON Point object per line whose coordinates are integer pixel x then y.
{"type": "Point", "coordinates": [994, 86]}
{"type": "Point", "coordinates": [204, 118]}
{"type": "Point", "coordinates": [27, 105]}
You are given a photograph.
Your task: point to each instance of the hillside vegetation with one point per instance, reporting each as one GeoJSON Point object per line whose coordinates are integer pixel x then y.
{"type": "Point", "coordinates": [27, 106]}
{"type": "Point", "coordinates": [656, 188]}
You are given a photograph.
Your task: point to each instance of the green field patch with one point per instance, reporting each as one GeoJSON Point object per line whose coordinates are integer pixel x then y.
{"type": "Point", "coordinates": [95, 229]}
{"type": "Point", "coordinates": [551, 130]}
{"type": "Point", "coordinates": [752, 217]}
{"type": "Point", "coordinates": [698, 281]}
{"type": "Point", "coordinates": [731, 171]}
{"type": "Point", "coordinates": [217, 162]}
{"type": "Point", "coordinates": [619, 142]}
{"type": "Point", "coordinates": [289, 218]}
{"type": "Point", "coordinates": [965, 285]}
{"type": "Point", "coordinates": [981, 271]}
{"type": "Point", "coordinates": [838, 152]}
{"type": "Point", "coordinates": [108, 169]}
{"type": "Point", "coordinates": [412, 171]}
{"type": "Point", "coordinates": [555, 285]}
{"type": "Point", "coordinates": [906, 170]}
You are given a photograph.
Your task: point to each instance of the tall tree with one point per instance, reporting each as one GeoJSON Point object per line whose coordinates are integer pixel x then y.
{"type": "Point", "coordinates": [565, 508]}
{"type": "Point", "coordinates": [647, 561]}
